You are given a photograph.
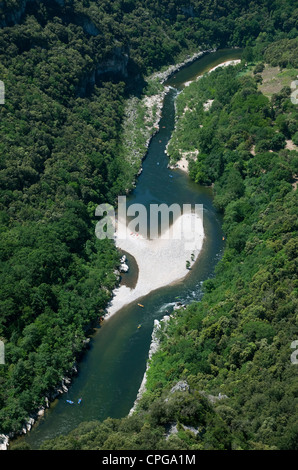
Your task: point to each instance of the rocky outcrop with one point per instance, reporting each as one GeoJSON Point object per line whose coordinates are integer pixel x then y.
{"type": "Point", "coordinates": [207, 105]}
{"type": "Point", "coordinates": [179, 305]}
{"type": "Point", "coordinates": [181, 386]}
{"type": "Point", "coordinates": [115, 64]}
{"type": "Point", "coordinates": [213, 398]}
{"type": "Point", "coordinates": [174, 429]}
{"type": "Point", "coordinates": [123, 266]}
{"type": "Point", "coordinates": [88, 26]}
{"type": "Point", "coordinates": [4, 442]}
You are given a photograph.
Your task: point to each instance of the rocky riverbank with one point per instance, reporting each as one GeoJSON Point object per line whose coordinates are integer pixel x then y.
{"type": "Point", "coordinates": [61, 388]}
{"type": "Point", "coordinates": [154, 345]}
{"type": "Point", "coordinates": [169, 71]}
{"type": "Point", "coordinates": [142, 116]}
{"type": "Point", "coordinates": [141, 123]}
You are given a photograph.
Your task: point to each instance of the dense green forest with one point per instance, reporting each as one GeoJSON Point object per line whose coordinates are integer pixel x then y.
{"type": "Point", "coordinates": [68, 67]}
{"type": "Point", "coordinates": [231, 351]}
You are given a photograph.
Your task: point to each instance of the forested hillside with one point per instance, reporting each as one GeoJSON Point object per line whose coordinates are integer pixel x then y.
{"type": "Point", "coordinates": [223, 377]}
{"type": "Point", "coordinates": [68, 67]}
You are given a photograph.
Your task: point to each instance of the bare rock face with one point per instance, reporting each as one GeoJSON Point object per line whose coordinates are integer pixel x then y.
{"type": "Point", "coordinates": [174, 429]}
{"type": "Point", "coordinates": [181, 386]}
{"type": "Point", "coordinates": [213, 398]}
{"type": "Point", "coordinates": [30, 423]}
{"type": "Point", "coordinates": [115, 64]}
{"type": "Point", "coordinates": [4, 442]}
{"type": "Point", "coordinates": [123, 266]}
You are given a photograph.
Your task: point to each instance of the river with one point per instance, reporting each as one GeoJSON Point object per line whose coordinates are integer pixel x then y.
{"type": "Point", "coordinates": [111, 372]}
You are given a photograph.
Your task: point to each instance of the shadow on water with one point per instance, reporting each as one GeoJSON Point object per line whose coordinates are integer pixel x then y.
{"type": "Point", "coordinates": [110, 373]}
{"type": "Point", "coordinates": [130, 278]}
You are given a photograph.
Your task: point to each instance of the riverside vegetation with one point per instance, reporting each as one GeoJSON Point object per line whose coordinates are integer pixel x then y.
{"type": "Point", "coordinates": [68, 68]}
{"type": "Point", "coordinates": [231, 350]}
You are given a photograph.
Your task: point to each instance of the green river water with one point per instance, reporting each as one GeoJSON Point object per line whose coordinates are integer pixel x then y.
{"type": "Point", "coordinates": [110, 373]}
